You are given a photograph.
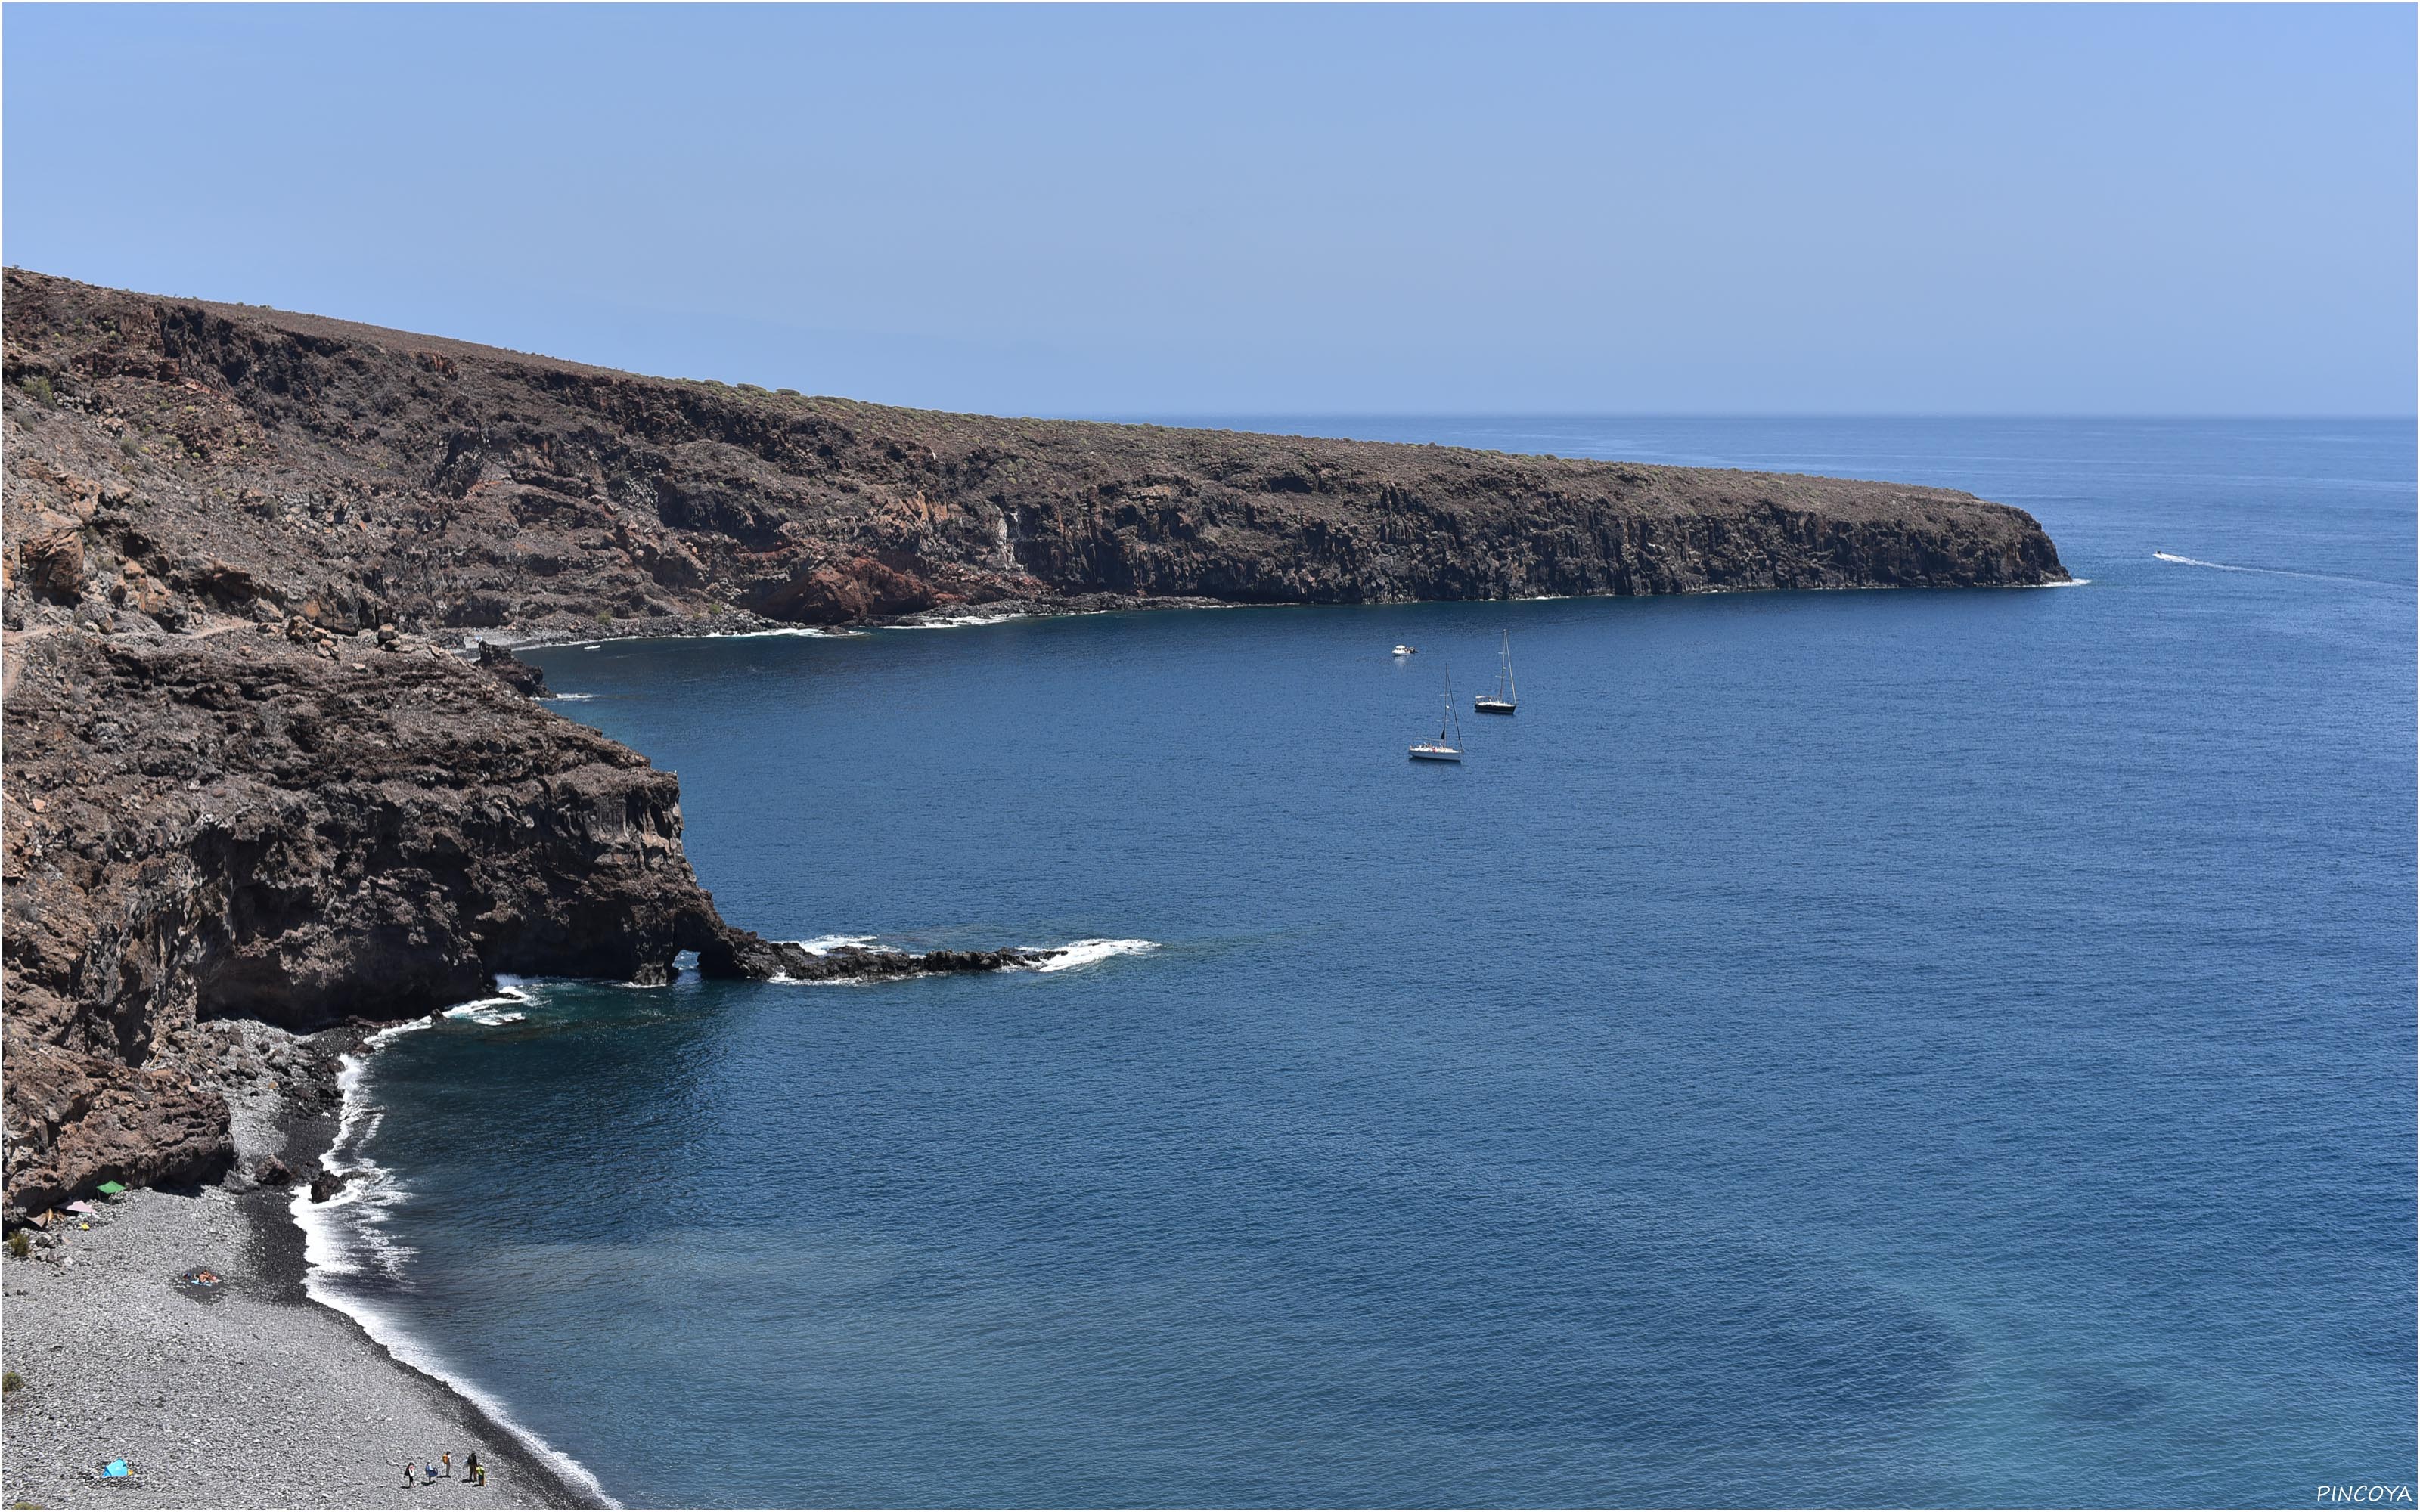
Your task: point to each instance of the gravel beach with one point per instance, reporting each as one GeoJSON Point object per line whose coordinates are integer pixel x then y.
{"type": "Point", "coordinates": [244, 1394]}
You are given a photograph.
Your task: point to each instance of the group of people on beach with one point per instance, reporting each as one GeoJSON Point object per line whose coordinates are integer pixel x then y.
{"type": "Point", "coordinates": [426, 1474]}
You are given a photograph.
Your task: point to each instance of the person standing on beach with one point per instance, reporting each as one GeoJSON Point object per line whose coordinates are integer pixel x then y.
{"type": "Point", "coordinates": [449, 1464]}
{"type": "Point", "coordinates": [407, 1472]}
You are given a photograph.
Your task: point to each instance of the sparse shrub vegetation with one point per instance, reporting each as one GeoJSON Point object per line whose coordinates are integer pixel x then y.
{"type": "Point", "coordinates": [10, 1380]}
{"type": "Point", "coordinates": [21, 1244]}
{"type": "Point", "coordinates": [792, 392]}
{"type": "Point", "coordinates": [38, 386]}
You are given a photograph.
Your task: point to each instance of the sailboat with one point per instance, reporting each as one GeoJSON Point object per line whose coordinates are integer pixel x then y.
{"type": "Point", "coordinates": [1501, 700]}
{"type": "Point", "coordinates": [1438, 749]}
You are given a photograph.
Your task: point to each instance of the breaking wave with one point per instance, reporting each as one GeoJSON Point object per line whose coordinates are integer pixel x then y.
{"type": "Point", "coordinates": [759, 635]}
{"type": "Point", "coordinates": [349, 1256]}
{"type": "Point", "coordinates": [1054, 957]}
{"type": "Point", "coordinates": [1089, 953]}
{"type": "Point", "coordinates": [504, 1007]}
{"type": "Point", "coordinates": [827, 944]}
{"type": "Point", "coordinates": [955, 622]}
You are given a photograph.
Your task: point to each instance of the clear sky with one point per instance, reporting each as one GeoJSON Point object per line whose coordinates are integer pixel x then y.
{"type": "Point", "coordinates": [1108, 210]}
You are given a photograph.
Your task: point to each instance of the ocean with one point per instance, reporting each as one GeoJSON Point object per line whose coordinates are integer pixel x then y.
{"type": "Point", "coordinates": [1862, 1048]}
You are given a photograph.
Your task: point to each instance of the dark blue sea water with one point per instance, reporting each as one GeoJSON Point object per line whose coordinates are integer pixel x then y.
{"type": "Point", "coordinates": [1924, 1047]}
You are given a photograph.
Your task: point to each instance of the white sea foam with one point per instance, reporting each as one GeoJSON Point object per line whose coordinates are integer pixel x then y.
{"type": "Point", "coordinates": [1054, 957]}
{"type": "Point", "coordinates": [502, 1009]}
{"type": "Point", "coordinates": [634, 640]}
{"type": "Point", "coordinates": [957, 621]}
{"type": "Point", "coordinates": [567, 698]}
{"type": "Point", "coordinates": [1088, 952]}
{"type": "Point", "coordinates": [347, 1236]}
{"type": "Point", "coordinates": [826, 944]}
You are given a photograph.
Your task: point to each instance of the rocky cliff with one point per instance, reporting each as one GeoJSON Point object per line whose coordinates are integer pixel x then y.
{"type": "Point", "coordinates": [232, 457]}
{"type": "Point", "coordinates": [248, 776]}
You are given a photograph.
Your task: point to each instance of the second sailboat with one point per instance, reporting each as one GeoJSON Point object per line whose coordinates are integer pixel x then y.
{"type": "Point", "coordinates": [1501, 700]}
{"type": "Point", "coordinates": [1440, 749]}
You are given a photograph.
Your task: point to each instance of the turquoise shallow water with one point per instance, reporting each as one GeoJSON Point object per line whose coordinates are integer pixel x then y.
{"type": "Point", "coordinates": [1867, 1048]}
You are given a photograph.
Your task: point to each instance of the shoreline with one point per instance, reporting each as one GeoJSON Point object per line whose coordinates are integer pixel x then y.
{"type": "Point", "coordinates": [312, 1144]}
{"type": "Point", "coordinates": [742, 625]}
{"type": "Point", "coordinates": [254, 1393]}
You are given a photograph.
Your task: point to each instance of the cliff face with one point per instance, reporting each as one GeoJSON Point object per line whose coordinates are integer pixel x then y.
{"type": "Point", "coordinates": [209, 827]}
{"type": "Point", "coordinates": [248, 777]}
{"type": "Point", "coordinates": [230, 456]}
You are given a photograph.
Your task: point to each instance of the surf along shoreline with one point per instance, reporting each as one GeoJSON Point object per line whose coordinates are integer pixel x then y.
{"type": "Point", "coordinates": [255, 1391]}
{"type": "Point", "coordinates": [293, 1247]}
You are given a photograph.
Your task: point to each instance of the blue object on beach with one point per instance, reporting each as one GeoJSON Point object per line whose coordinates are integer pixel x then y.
{"type": "Point", "coordinates": [115, 1467]}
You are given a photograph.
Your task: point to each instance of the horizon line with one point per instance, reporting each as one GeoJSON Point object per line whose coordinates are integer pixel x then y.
{"type": "Point", "coordinates": [1142, 417]}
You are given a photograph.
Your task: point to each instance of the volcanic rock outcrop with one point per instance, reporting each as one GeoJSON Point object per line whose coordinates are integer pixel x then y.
{"type": "Point", "coordinates": [188, 456]}
{"type": "Point", "coordinates": [249, 775]}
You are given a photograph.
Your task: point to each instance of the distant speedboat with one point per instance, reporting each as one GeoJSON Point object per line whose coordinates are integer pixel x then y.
{"type": "Point", "coordinates": [1501, 700]}
{"type": "Point", "coordinates": [1407, 651]}
{"type": "Point", "coordinates": [1440, 749]}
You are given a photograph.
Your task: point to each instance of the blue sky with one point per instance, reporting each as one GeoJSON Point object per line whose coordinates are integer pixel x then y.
{"type": "Point", "coordinates": [1108, 210]}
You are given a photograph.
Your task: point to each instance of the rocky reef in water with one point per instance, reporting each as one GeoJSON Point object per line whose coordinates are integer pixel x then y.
{"type": "Point", "coordinates": [250, 774]}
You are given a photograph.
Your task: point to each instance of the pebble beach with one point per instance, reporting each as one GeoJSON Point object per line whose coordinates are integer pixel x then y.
{"type": "Point", "coordinates": [246, 1393]}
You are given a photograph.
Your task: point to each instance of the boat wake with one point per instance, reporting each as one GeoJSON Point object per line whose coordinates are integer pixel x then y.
{"type": "Point", "coordinates": [2276, 572]}
{"type": "Point", "coordinates": [350, 1258]}
{"type": "Point", "coordinates": [2196, 561]}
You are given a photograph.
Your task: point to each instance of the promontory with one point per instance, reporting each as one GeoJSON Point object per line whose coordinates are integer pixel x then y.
{"type": "Point", "coordinates": [253, 771]}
